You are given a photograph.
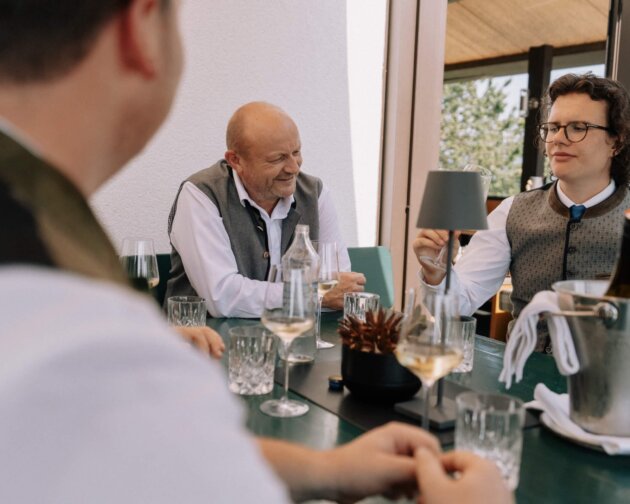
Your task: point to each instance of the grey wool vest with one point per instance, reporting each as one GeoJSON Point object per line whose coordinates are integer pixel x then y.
{"type": "Point", "coordinates": [244, 225]}
{"type": "Point", "coordinates": [547, 246]}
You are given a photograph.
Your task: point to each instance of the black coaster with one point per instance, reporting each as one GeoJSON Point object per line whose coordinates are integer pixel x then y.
{"type": "Point", "coordinates": [443, 418]}
{"type": "Point", "coordinates": [440, 417]}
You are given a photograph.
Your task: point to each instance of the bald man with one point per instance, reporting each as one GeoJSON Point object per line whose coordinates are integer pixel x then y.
{"type": "Point", "coordinates": [232, 221]}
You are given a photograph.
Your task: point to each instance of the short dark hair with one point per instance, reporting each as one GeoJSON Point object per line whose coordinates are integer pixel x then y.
{"type": "Point", "coordinates": [41, 40]}
{"type": "Point", "coordinates": [618, 112]}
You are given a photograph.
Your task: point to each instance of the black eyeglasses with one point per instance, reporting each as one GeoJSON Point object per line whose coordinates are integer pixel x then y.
{"type": "Point", "coordinates": [574, 131]}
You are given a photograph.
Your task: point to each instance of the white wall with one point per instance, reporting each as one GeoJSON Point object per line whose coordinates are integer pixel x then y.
{"type": "Point", "coordinates": [293, 53]}
{"type": "Point", "coordinates": [366, 21]}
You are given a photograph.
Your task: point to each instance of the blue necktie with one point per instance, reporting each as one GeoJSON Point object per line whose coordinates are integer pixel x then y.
{"type": "Point", "coordinates": [577, 211]}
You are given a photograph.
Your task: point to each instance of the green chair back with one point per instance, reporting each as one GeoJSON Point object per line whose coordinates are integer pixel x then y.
{"type": "Point", "coordinates": [164, 268]}
{"type": "Point", "coordinates": [376, 264]}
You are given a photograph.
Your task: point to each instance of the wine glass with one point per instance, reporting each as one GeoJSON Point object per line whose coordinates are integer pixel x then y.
{"type": "Point", "coordinates": [429, 346]}
{"type": "Point", "coordinates": [486, 177]}
{"type": "Point", "coordinates": [438, 262]}
{"type": "Point", "coordinates": [140, 262]}
{"type": "Point", "coordinates": [327, 279]}
{"type": "Point", "coordinates": [294, 316]}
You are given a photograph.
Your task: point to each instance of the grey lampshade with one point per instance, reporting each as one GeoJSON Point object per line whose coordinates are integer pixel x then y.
{"type": "Point", "coordinates": [453, 200]}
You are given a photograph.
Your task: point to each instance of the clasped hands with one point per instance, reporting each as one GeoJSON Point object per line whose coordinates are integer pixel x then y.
{"type": "Point", "coordinates": [392, 460]}
{"type": "Point", "coordinates": [398, 459]}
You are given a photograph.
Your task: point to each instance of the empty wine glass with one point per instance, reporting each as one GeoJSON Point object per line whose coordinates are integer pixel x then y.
{"type": "Point", "coordinates": [294, 316]}
{"type": "Point", "coordinates": [486, 177]}
{"type": "Point", "coordinates": [140, 262]}
{"type": "Point", "coordinates": [428, 345]}
{"type": "Point", "coordinates": [438, 262]}
{"type": "Point", "coordinates": [327, 279]}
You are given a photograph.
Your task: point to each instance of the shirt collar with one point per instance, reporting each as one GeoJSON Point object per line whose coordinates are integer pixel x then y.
{"type": "Point", "coordinates": [598, 198]}
{"type": "Point", "coordinates": [19, 136]}
{"type": "Point", "coordinates": [280, 211]}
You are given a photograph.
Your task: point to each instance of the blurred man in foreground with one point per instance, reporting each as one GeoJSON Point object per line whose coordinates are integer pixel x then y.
{"type": "Point", "coordinates": [100, 403]}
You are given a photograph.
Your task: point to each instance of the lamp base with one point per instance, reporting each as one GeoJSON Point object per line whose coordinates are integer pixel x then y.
{"type": "Point", "coordinates": [440, 417]}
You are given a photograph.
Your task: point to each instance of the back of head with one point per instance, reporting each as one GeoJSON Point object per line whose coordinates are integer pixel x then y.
{"type": "Point", "coordinates": [44, 40]}
{"type": "Point", "coordinates": [95, 62]}
{"type": "Point", "coordinates": [618, 112]}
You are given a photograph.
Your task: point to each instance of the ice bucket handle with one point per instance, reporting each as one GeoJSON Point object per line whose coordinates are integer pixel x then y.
{"type": "Point", "coordinates": [605, 311]}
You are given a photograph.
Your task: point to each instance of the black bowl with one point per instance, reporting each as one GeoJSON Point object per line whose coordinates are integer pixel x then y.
{"type": "Point", "coordinates": [377, 377]}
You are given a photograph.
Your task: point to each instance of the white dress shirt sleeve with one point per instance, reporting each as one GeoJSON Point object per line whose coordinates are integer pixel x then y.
{"type": "Point", "coordinates": [481, 270]}
{"type": "Point", "coordinates": [329, 228]}
{"type": "Point", "coordinates": [200, 238]}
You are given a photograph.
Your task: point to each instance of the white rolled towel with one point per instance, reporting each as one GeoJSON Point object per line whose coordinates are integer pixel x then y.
{"type": "Point", "coordinates": [524, 336]}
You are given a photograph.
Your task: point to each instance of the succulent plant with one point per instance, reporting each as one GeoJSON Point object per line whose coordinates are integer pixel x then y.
{"type": "Point", "coordinates": [379, 332]}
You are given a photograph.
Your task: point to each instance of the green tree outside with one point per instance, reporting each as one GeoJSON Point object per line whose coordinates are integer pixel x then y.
{"type": "Point", "coordinates": [477, 128]}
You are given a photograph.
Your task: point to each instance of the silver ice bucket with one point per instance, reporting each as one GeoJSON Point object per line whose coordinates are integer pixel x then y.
{"type": "Point", "coordinates": [599, 393]}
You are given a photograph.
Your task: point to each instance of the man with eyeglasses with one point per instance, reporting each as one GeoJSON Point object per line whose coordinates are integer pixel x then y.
{"type": "Point", "coordinates": [568, 229]}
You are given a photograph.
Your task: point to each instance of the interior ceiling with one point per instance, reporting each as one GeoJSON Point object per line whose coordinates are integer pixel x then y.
{"type": "Point", "coordinates": [486, 29]}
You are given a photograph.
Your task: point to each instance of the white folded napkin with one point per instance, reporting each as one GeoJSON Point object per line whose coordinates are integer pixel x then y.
{"type": "Point", "coordinates": [556, 407]}
{"type": "Point", "coordinates": [523, 339]}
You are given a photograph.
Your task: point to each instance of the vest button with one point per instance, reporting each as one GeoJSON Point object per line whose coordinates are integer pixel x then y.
{"type": "Point", "coordinates": [570, 273]}
{"type": "Point", "coordinates": [265, 255]}
{"type": "Point", "coordinates": [572, 250]}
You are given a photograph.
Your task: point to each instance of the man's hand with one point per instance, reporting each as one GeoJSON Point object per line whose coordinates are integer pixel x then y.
{"type": "Point", "coordinates": [428, 244]}
{"type": "Point", "coordinates": [379, 462]}
{"type": "Point", "coordinates": [204, 338]}
{"type": "Point", "coordinates": [348, 282]}
{"type": "Point", "coordinates": [478, 480]}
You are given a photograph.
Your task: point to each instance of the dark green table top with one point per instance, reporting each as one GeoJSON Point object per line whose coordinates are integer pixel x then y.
{"type": "Point", "coordinates": [553, 470]}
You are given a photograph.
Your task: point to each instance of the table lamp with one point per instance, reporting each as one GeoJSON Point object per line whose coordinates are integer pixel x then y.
{"type": "Point", "coordinates": [453, 200]}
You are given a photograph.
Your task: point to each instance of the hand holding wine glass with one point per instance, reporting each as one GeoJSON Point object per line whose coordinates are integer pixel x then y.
{"type": "Point", "coordinates": [140, 262]}
{"type": "Point", "coordinates": [428, 345]}
{"type": "Point", "coordinates": [430, 247]}
{"type": "Point", "coordinates": [293, 318]}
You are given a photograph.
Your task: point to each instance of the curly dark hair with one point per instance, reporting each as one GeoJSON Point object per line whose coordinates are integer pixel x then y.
{"type": "Point", "coordinates": [43, 40]}
{"type": "Point", "coordinates": [618, 111]}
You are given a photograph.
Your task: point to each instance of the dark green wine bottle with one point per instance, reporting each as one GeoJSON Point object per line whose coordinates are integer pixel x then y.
{"type": "Point", "coordinates": [620, 283]}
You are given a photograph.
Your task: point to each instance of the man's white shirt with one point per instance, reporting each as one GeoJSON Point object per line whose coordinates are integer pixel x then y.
{"type": "Point", "coordinates": [200, 238]}
{"type": "Point", "coordinates": [101, 402]}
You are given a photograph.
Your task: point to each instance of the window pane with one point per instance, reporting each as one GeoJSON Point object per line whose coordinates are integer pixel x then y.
{"type": "Point", "coordinates": [481, 124]}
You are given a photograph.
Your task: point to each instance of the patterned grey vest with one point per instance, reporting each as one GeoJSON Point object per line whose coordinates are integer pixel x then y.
{"type": "Point", "coordinates": [547, 246]}
{"type": "Point", "coordinates": [244, 225]}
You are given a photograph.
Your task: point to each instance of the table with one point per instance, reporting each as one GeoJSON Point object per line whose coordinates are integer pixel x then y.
{"type": "Point", "coordinates": [552, 470]}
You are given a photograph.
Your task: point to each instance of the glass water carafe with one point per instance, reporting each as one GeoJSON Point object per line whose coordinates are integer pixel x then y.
{"type": "Point", "coordinates": [301, 254]}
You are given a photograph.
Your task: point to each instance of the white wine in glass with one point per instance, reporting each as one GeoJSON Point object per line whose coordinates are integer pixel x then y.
{"type": "Point", "coordinates": [429, 362]}
{"type": "Point", "coordinates": [287, 328]}
{"type": "Point", "coordinates": [327, 280]}
{"type": "Point", "coordinates": [140, 262]}
{"type": "Point", "coordinates": [294, 317]}
{"type": "Point", "coordinates": [428, 345]}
